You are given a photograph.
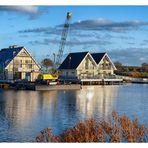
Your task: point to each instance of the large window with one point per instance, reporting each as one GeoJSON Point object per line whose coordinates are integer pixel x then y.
{"type": "Point", "coordinates": [30, 66]}
{"type": "Point", "coordinates": [87, 63]}
{"type": "Point", "coordinates": [21, 64]}
{"type": "Point", "coordinates": [23, 54]}
{"type": "Point", "coordinates": [106, 64]}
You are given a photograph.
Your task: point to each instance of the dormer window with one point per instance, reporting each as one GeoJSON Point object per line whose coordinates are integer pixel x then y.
{"type": "Point", "coordinates": [23, 54]}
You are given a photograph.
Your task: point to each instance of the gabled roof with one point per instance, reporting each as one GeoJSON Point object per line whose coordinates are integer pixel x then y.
{"type": "Point", "coordinates": [7, 54]}
{"type": "Point", "coordinates": [73, 60]}
{"type": "Point", "coordinates": [98, 56]}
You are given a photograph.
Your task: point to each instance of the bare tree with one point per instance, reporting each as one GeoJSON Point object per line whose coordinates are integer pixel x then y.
{"type": "Point", "coordinates": [47, 63]}
{"type": "Point", "coordinates": [117, 63]}
{"type": "Point", "coordinates": [144, 64]}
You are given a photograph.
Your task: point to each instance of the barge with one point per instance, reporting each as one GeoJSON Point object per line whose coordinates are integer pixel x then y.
{"type": "Point", "coordinates": [58, 87]}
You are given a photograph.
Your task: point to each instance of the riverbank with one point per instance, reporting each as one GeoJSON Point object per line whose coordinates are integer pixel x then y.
{"type": "Point", "coordinates": [69, 86]}
{"type": "Point", "coordinates": [134, 80]}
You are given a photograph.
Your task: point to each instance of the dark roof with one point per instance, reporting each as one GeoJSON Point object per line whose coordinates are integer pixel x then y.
{"type": "Point", "coordinates": [98, 56]}
{"type": "Point", "coordinates": [73, 60]}
{"type": "Point", "coordinates": [7, 54]}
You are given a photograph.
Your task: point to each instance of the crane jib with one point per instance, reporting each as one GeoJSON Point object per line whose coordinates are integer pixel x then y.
{"type": "Point", "coordinates": [63, 39]}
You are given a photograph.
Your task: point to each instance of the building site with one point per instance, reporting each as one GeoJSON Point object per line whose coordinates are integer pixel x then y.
{"type": "Point", "coordinates": [20, 69]}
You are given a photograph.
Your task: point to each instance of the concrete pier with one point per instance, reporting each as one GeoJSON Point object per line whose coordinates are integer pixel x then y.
{"type": "Point", "coordinates": [58, 87]}
{"type": "Point", "coordinates": [101, 81]}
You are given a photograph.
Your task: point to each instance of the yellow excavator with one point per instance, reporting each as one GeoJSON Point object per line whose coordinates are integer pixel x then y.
{"type": "Point", "coordinates": [52, 77]}
{"type": "Point", "coordinates": [48, 77]}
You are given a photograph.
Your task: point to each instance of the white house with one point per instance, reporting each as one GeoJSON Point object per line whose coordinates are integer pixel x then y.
{"type": "Point", "coordinates": [16, 63]}
{"type": "Point", "coordinates": [87, 65]}
{"type": "Point", "coordinates": [105, 66]}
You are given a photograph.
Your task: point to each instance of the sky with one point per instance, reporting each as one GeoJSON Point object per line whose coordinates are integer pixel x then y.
{"type": "Point", "coordinates": [121, 31]}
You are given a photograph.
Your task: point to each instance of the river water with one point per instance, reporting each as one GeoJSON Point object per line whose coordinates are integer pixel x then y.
{"type": "Point", "coordinates": [23, 114]}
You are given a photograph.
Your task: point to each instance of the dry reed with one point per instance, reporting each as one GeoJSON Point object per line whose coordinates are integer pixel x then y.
{"type": "Point", "coordinates": [119, 129]}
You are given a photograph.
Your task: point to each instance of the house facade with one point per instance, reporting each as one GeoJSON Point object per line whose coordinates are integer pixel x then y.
{"type": "Point", "coordinates": [105, 66]}
{"type": "Point", "coordinates": [16, 63]}
{"type": "Point", "coordinates": [82, 65]}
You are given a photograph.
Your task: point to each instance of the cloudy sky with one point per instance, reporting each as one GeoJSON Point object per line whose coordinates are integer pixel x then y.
{"type": "Point", "coordinates": [122, 31]}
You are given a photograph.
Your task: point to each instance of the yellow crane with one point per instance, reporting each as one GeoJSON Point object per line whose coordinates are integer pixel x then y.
{"type": "Point", "coordinates": [54, 75]}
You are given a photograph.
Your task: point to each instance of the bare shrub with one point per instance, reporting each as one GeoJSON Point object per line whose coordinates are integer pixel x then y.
{"type": "Point", "coordinates": [119, 129]}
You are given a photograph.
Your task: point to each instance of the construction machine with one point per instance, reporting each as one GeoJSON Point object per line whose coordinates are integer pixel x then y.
{"type": "Point", "coordinates": [53, 76]}
{"type": "Point", "coordinates": [63, 39]}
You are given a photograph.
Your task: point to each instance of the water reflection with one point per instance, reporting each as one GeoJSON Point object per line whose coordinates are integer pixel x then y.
{"type": "Point", "coordinates": [20, 107]}
{"type": "Point", "coordinates": [97, 100]}
{"type": "Point", "coordinates": [24, 113]}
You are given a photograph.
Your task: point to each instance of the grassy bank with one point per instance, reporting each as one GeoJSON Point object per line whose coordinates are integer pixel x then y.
{"type": "Point", "coordinates": [118, 129]}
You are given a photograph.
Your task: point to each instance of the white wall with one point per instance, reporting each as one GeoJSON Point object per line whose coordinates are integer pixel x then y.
{"type": "Point", "coordinates": [23, 63]}
{"type": "Point", "coordinates": [9, 75]}
{"type": "Point", "coordinates": [68, 72]}
{"type": "Point", "coordinates": [109, 67]}
{"type": "Point", "coordinates": [87, 67]}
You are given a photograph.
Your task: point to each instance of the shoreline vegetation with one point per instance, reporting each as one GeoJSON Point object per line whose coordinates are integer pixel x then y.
{"type": "Point", "coordinates": [117, 129]}
{"type": "Point", "coordinates": [132, 71]}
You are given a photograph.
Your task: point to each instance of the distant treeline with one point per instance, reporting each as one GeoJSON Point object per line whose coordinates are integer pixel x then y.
{"type": "Point", "coordinates": [132, 71]}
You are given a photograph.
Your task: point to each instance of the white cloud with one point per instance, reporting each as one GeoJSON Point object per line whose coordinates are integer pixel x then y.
{"type": "Point", "coordinates": [20, 9]}
{"type": "Point", "coordinates": [107, 25]}
{"type": "Point", "coordinates": [130, 56]}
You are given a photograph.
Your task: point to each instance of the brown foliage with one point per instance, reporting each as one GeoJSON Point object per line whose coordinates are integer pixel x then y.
{"type": "Point", "coordinates": [47, 63]}
{"type": "Point", "coordinates": [119, 129]}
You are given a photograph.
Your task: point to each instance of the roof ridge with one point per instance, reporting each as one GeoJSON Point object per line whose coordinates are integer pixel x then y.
{"type": "Point", "coordinates": [98, 52]}
{"type": "Point", "coordinates": [79, 52]}
{"type": "Point", "coordinates": [3, 49]}
{"type": "Point", "coordinates": [7, 54]}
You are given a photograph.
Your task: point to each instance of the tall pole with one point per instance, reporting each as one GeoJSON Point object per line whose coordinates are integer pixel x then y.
{"type": "Point", "coordinates": [54, 60]}
{"type": "Point", "coordinates": [54, 57]}
{"type": "Point", "coordinates": [3, 71]}
{"type": "Point", "coordinates": [13, 69]}
{"type": "Point", "coordinates": [13, 64]}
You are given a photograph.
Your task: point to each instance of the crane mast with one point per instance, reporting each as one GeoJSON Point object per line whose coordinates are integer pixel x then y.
{"type": "Point", "coordinates": [53, 76]}
{"type": "Point", "coordinates": [63, 39]}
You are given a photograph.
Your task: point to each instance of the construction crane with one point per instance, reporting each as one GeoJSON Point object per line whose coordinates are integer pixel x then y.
{"type": "Point", "coordinates": [63, 39]}
{"type": "Point", "coordinates": [53, 76]}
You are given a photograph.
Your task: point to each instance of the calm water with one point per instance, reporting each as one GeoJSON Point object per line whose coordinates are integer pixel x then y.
{"type": "Point", "coordinates": [24, 113]}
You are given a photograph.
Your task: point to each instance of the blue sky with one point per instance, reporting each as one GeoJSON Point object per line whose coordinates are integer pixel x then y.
{"type": "Point", "coordinates": [121, 31]}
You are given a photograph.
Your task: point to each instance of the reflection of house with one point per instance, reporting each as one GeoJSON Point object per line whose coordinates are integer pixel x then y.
{"type": "Point", "coordinates": [87, 65]}
{"type": "Point", "coordinates": [97, 101]}
{"type": "Point", "coordinates": [16, 63]}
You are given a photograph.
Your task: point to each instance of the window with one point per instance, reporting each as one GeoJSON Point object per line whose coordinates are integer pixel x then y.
{"type": "Point", "coordinates": [86, 63]}
{"type": "Point", "coordinates": [30, 66]}
{"type": "Point", "coordinates": [23, 54]}
{"type": "Point", "coordinates": [20, 64]}
{"type": "Point", "coordinates": [73, 73]}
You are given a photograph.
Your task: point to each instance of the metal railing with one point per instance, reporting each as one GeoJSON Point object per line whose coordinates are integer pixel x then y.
{"type": "Point", "coordinates": [99, 77]}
